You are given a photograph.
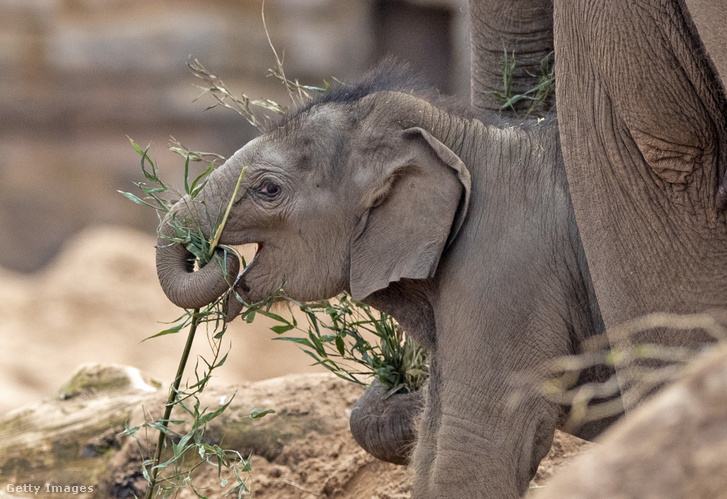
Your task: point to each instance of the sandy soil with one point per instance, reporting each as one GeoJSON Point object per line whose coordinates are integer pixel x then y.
{"type": "Point", "coordinates": [96, 302]}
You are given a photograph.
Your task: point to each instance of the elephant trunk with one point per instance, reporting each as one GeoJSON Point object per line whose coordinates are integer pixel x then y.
{"type": "Point", "coordinates": [185, 286]}
{"type": "Point", "coordinates": [385, 426]}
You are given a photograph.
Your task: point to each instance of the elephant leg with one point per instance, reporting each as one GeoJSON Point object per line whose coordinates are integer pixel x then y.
{"type": "Point", "coordinates": [522, 27]}
{"type": "Point", "coordinates": [643, 122]}
{"type": "Point", "coordinates": [474, 441]}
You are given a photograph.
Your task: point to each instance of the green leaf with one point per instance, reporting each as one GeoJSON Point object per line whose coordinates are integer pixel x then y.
{"type": "Point", "coordinates": [205, 418]}
{"type": "Point", "coordinates": [275, 317]}
{"type": "Point", "coordinates": [180, 447]}
{"type": "Point", "coordinates": [194, 188]}
{"type": "Point", "coordinates": [150, 190]}
{"type": "Point", "coordinates": [340, 346]}
{"type": "Point", "coordinates": [136, 199]}
{"type": "Point", "coordinates": [282, 328]}
{"type": "Point", "coordinates": [300, 341]}
{"type": "Point", "coordinates": [220, 363]}
{"type": "Point", "coordinates": [317, 343]}
{"type": "Point", "coordinates": [130, 431]}
{"type": "Point", "coordinates": [135, 146]}
{"type": "Point", "coordinates": [186, 176]}
{"type": "Point", "coordinates": [172, 330]}
{"type": "Point", "coordinates": [257, 413]}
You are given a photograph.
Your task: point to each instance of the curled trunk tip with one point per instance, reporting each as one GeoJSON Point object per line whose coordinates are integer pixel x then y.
{"type": "Point", "coordinates": [190, 288]}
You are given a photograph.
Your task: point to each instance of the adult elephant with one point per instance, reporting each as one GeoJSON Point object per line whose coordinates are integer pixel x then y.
{"type": "Point", "coordinates": [522, 28]}
{"type": "Point", "coordinates": [643, 120]}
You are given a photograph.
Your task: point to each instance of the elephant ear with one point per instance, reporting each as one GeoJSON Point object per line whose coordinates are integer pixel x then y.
{"type": "Point", "coordinates": [415, 213]}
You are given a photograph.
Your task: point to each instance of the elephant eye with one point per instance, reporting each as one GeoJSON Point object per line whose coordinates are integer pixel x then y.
{"type": "Point", "coordinates": [269, 189]}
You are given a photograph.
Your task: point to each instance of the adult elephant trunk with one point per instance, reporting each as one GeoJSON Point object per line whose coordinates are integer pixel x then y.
{"type": "Point", "coordinates": [184, 285]}
{"type": "Point", "coordinates": [525, 29]}
{"type": "Point", "coordinates": [385, 426]}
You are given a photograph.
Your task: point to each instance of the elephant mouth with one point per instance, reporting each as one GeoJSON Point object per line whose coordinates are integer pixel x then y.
{"type": "Point", "coordinates": [240, 287]}
{"type": "Point", "coordinates": [240, 280]}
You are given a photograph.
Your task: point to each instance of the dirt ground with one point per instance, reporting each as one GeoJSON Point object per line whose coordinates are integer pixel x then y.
{"type": "Point", "coordinates": [96, 302]}
{"type": "Point", "coordinates": [100, 298]}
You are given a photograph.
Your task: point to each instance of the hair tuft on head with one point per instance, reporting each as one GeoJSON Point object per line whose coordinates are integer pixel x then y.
{"type": "Point", "coordinates": [388, 75]}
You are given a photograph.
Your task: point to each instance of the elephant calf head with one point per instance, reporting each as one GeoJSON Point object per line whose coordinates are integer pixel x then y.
{"type": "Point", "coordinates": [340, 195]}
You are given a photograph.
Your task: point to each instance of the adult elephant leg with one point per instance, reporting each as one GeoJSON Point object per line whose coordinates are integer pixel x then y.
{"type": "Point", "coordinates": [522, 27]}
{"type": "Point", "coordinates": [642, 117]}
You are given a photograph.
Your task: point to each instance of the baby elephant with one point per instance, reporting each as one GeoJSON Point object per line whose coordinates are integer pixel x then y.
{"type": "Point", "coordinates": [461, 230]}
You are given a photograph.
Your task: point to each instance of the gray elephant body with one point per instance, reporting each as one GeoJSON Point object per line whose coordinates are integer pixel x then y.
{"type": "Point", "coordinates": [462, 231]}
{"type": "Point", "coordinates": [512, 293]}
{"type": "Point", "coordinates": [643, 119]}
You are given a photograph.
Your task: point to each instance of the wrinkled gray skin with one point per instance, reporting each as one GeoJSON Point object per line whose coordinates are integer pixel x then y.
{"type": "Point", "coordinates": [643, 120]}
{"type": "Point", "coordinates": [463, 232]}
{"type": "Point", "coordinates": [525, 29]}
{"type": "Point", "coordinates": [385, 425]}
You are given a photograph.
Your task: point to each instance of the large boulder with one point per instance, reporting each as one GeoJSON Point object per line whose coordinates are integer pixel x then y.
{"type": "Point", "coordinates": [675, 445]}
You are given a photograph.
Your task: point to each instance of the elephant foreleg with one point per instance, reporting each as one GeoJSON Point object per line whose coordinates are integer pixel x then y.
{"type": "Point", "coordinates": [474, 443]}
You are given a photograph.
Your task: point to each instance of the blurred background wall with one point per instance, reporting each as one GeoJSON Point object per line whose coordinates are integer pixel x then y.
{"type": "Point", "coordinates": [78, 76]}
{"type": "Point", "coordinates": [77, 279]}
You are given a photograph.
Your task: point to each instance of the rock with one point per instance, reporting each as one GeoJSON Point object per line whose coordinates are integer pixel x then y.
{"type": "Point", "coordinates": [93, 379]}
{"type": "Point", "coordinates": [305, 445]}
{"type": "Point", "coordinates": [674, 445]}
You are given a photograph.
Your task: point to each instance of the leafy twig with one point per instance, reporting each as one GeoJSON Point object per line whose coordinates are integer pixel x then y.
{"type": "Point", "coordinates": [177, 147]}
{"type": "Point", "coordinates": [339, 344]}
{"type": "Point", "coordinates": [171, 400]}
{"type": "Point", "coordinates": [189, 233]}
{"type": "Point", "coordinates": [536, 95]}
{"type": "Point", "coordinates": [241, 104]}
{"type": "Point", "coordinates": [254, 110]}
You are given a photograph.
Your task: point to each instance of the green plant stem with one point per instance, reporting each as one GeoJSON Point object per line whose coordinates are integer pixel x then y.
{"type": "Point", "coordinates": [173, 392]}
{"type": "Point", "coordinates": [216, 238]}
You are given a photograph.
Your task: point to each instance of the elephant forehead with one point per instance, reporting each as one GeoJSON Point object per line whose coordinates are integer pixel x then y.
{"type": "Point", "coordinates": [321, 128]}
{"type": "Point", "coordinates": [246, 153]}
{"type": "Point", "coordinates": [317, 141]}
{"type": "Point", "coordinates": [261, 153]}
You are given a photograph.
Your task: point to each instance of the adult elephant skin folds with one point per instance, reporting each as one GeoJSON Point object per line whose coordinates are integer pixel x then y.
{"type": "Point", "coordinates": [643, 118]}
